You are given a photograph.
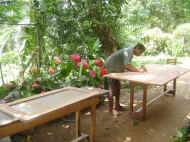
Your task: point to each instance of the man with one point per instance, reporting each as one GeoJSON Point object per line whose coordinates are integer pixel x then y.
{"type": "Point", "coordinates": [120, 61]}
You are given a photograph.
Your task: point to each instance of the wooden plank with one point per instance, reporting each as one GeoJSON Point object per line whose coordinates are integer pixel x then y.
{"type": "Point", "coordinates": [9, 112]}
{"type": "Point", "coordinates": [155, 75]}
{"type": "Point", "coordinates": [38, 106]}
{"type": "Point", "coordinates": [6, 119]}
{"type": "Point", "coordinates": [39, 95]}
{"type": "Point", "coordinates": [19, 126]}
{"type": "Point", "coordinates": [175, 69]}
{"type": "Point", "coordinates": [85, 90]}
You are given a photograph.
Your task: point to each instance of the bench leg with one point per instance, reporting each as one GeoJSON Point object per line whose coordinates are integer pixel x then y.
{"type": "Point", "coordinates": [78, 132]}
{"type": "Point", "coordinates": [79, 136]}
{"type": "Point", "coordinates": [93, 123]}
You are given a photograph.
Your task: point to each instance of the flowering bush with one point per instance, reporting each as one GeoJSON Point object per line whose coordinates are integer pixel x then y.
{"type": "Point", "coordinates": [72, 71]}
{"type": "Point", "coordinates": [44, 79]}
{"type": "Point", "coordinates": [57, 69]}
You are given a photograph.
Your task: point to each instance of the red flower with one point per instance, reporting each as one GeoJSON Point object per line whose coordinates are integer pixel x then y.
{"type": "Point", "coordinates": [75, 57]}
{"type": "Point", "coordinates": [57, 60]}
{"type": "Point", "coordinates": [35, 85]}
{"type": "Point", "coordinates": [103, 71]}
{"type": "Point", "coordinates": [98, 62]}
{"type": "Point", "coordinates": [51, 71]}
{"type": "Point", "coordinates": [92, 73]}
{"type": "Point", "coordinates": [84, 63]}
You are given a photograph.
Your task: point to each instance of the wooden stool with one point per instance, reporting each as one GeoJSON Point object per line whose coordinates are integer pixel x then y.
{"type": "Point", "coordinates": [172, 61]}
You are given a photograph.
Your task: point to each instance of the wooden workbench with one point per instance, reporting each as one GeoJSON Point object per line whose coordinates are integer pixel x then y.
{"type": "Point", "coordinates": [156, 74]}
{"type": "Point", "coordinates": [33, 111]}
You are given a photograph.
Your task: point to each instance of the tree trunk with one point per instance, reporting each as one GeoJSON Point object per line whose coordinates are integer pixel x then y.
{"type": "Point", "coordinates": [109, 45]}
{"type": "Point", "coordinates": [104, 32]}
{"type": "Point", "coordinates": [2, 79]}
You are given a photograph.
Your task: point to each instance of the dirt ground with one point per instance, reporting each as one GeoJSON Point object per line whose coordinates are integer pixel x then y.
{"type": "Point", "coordinates": [164, 117]}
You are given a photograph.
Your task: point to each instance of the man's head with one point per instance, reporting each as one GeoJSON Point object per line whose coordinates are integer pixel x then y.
{"type": "Point", "coordinates": [139, 49]}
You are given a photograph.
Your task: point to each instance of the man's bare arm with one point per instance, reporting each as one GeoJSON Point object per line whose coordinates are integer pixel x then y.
{"type": "Point", "coordinates": [130, 67]}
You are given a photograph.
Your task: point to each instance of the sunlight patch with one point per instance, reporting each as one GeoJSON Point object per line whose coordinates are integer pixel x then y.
{"type": "Point", "coordinates": [188, 116]}
{"type": "Point", "coordinates": [128, 139]}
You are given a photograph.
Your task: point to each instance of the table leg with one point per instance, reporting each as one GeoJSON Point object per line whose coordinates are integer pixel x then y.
{"type": "Point", "coordinates": [93, 123]}
{"type": "Point", "coordinates": [110, 98]}
{"type": "Point", "coordinates": [174, 87]}
{"type": "Point", "coordinates": [165, 87]}
{"type": "Point", "coordinates": [132, 89]}
{"type": "Point", "coordinates": [78, 132]}
{"type": "Point", "coordinates": [145, 88]}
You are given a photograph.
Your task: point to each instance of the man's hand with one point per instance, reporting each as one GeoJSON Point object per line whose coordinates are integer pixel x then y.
{"type": "Point", "coordinates": [131, 68]}
{"type": "Point", "coordinates": [143, 69]}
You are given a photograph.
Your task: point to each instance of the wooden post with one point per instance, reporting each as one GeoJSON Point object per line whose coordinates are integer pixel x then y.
{"type": "Point", "coordinates": [145, 88]}
{"type": "Point", "coordinates": [93, 123]}
{"type": "Point", "coordinates": [174, 87]}
{"type": "Point", "coordinates": [132, 89]}
{"type": "Point", "coordinates": [77, 117]}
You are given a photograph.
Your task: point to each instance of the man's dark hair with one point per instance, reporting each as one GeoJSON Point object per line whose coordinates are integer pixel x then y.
{"type": "Point", "coordinates": [140, 46]}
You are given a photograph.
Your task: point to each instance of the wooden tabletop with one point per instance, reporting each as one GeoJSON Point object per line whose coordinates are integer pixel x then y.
{"type": "Point", "coordinates": [35, 106]}
{"type": "Point", "coordinates": [156, 74]}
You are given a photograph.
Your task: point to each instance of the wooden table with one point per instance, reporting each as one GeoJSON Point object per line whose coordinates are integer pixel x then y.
{"type": "Point", "coordinates": [33, 111]}
{"type": "Point", "coordinates": [156, 74]}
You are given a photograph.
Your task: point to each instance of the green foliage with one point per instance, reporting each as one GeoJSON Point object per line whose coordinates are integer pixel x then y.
{"type": "Point", "coordinates": [6, 88]}
{"type": "Point", "coordinates": [3, 92]}
{"type": "Point", "coordinates": [140, 16]}
{"type": "Point", "coordinates": [173, 44]}
{"type": "Point", "coordinates": [182, 135]}
{"type": "Point", "coordinates": [11, 11]}
{"type": "Point", "coordinates": [165, 14]}
{"type": "Point", "coordinates": [9, 58]}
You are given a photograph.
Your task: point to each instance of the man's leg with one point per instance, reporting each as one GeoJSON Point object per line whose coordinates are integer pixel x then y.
{"type": "Point", "coordinates": [110, 96]}
{"type": "Point", "coordinates": [116, 93]}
